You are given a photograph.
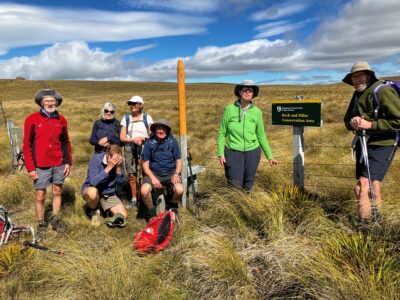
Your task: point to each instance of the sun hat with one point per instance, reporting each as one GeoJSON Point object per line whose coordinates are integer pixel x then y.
{"type": "Point", "coordinates": [248, 84]}
{"type": "Point", "coordinates": [135, 99]}
{"type": "Point", "coordinates": [359, 66]}
{"type": "Point", "coordinates": [161, 122]}
{"type": "Point", "coordinates": [47, 92]}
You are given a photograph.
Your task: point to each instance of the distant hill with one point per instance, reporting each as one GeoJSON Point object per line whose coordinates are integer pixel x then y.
{"type": "Point", "coordinates": [391, 77]}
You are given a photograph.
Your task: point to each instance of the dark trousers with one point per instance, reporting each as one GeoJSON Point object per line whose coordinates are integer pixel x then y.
{"type": "Point", "coordinates": [241, 167]}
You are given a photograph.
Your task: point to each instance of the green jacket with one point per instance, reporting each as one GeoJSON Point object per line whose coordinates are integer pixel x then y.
{"type": "Point", "coordinates": [242, 130]}
{"type": "Point", "coordinates": [388, 118]}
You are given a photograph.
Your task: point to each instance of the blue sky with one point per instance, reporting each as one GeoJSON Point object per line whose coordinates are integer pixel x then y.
{"type": "Point", "coordinates": [271, 42]}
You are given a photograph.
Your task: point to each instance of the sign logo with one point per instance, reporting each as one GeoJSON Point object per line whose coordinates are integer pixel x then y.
{"type": "Point", "coordinates": [278, 109]}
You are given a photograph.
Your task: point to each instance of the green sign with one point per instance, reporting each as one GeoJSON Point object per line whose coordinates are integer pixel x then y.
{"type": "Point", "coordinates": [296, 112]}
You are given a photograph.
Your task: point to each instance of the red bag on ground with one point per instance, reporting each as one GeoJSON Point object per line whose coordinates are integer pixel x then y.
{"type": "Point", "coordinates": [157, 234]}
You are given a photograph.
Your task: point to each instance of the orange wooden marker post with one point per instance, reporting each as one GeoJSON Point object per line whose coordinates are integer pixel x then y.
{"type": "Point", "coordinates": [182, 127]}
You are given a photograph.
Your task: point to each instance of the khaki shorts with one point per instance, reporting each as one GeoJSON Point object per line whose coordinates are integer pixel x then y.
{"type": "Point", "coordinates": [109, 202]}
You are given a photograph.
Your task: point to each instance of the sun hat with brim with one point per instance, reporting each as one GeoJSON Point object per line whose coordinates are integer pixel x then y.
{"type": "Point", "coordinates": [357, 67]}
{"type": "Point", "coordinates": [50, 93]}
{"type": "Point", "coordinates": [246, 84]}
{"type": "Point", "coordinates": [135, 99]}
{"type": "Point", "coordinates": [161, 122]}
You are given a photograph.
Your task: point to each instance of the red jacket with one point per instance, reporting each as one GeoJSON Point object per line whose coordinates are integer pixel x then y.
{"type": "Point", "coordinates": [46, 141]}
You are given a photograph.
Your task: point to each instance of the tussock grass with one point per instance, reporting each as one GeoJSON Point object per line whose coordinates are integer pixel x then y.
{"type": "Point", "coordinates": [15, 189]}
{"type": "Point", "coordinates": [359, 268]}
{"type": "Point", "coordinates": [278, 242]}
{"type": "Point", "coordinates": [12, 257]}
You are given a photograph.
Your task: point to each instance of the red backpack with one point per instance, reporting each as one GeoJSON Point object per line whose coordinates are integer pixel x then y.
{"type": "Point", "coordinates": [157, 234]}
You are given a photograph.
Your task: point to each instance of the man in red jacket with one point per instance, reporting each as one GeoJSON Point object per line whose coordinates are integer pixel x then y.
{"type": "Point", "coordinates": [47, 154]}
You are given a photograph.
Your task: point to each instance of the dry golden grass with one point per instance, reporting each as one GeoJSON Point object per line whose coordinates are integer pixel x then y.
{"type": "Point", "coordinates": [276, 243]}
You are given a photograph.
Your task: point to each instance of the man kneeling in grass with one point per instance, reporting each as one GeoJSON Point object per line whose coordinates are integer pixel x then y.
{"type": "Point", "coordinates": [104, 174]}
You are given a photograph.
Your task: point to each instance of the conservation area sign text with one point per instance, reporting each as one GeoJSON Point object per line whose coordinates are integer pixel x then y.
{"type": "Point", "coordinates": [296, 112]}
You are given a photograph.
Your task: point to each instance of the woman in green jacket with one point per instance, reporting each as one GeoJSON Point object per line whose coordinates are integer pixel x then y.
{"type": "Point", "coordinates": [241, 137]}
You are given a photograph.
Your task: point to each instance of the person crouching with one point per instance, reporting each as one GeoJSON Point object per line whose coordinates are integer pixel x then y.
{"type": "Point", "coordinates": [105, 174]}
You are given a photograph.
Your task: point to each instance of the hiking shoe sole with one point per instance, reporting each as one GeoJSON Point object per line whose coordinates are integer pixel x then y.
{"type": "Point", "coordinates": [117, 221]}
{"type": "Point", "coordinates": [96, 219]}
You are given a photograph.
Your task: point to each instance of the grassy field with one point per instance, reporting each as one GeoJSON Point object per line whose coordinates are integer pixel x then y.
{"type": "Point", "coordinates": [277, 243]}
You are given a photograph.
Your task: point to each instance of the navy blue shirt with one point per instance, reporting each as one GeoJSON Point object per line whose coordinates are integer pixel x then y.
{"type": "Point", "coordinates": [105, 128]}
{"type": "Point", "coordinates": [162, 156]}
{"type": "Point", "coordinates": [97, 177]}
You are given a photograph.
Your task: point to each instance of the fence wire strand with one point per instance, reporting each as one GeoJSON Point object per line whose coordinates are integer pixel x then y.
{"type": "Point", "coordinates": [215, 171]}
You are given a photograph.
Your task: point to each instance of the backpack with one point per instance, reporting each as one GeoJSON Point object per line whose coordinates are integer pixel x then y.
{"type": "Point", "coordinates": [157, 234]}
{"type": "Point", "coordinates": [394, 84]}
{"type": "Point", "coordinates": [375, 100]}
{"type": "Point", "coordinates": [145, 121]}
{"type": "Point", "coordinates": [5, 226]}
{"type": "Point", "coordinates": [9, 231]}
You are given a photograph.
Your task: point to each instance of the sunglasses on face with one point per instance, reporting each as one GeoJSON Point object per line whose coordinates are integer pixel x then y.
{"type": "Point", "coordinates": [109, 111]}
{"type": "Point", "coordinates": [247, 90]}
{"type": "Point", "coordinates": [133, 103]}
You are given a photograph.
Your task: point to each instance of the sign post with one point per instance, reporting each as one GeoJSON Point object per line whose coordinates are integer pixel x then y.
{"type": "Point", "coordinates": [182, 127]}
{"type": "Point", "coordinates": [298, 113]}
{"type": "Point", "coordinates": [298, 156]}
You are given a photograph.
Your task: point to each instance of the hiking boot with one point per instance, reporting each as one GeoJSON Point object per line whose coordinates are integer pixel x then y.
{"type": "Point", "coordinates": [41, 231]}
{"type": "Point", "coordinates": [171, 205]}
{"type": "Point", "coordinates": [95, 219]}
{"type": "Point", "coordinates": [88, 211]}
{"type": "Point", "coordinates": [117, 221]}
{"type": "Point", "coordinates": [131, 203]}
{"type": "Point", "coordinates": [57, 224]}
{"type": "Point", "coordinates": [150, 214]}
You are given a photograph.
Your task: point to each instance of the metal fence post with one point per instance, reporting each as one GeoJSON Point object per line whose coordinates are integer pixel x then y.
{"type": "Point", "coordinates": [298, 153]}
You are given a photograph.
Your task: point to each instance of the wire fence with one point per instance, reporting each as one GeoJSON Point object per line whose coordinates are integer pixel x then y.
{"type": "Point", "coordinates": [318, 175]}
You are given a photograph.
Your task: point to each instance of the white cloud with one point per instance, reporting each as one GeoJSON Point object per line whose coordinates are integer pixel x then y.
{"type": "Point", "coordinates": [280, 10]}
{"type": "Point", "coordinates": [75, 60]}
{"type": "Point", "coordinates": [176, 5]}
{"type": "Point", "coordinates": [364, 30]}
{"type": "Point", "coordinates": [193, 6]}
{"type": "Point", "coordinates": [295, 78]}
{"type": "Point", "coordinates": [257, 55]}
{"type": "Point", "coordinates": [276, 30]}
{"type": "Point", "coordinates": [23, 25]}
{"type": "Point", "coordinates": [72, 60]}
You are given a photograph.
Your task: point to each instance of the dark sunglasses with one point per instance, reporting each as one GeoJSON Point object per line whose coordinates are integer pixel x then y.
{"type": "Point", "coordinates": [133, 103]}
{"type": "Point", "coordinates": [247, 90]}
{"type": "Point", "coordinates": [109, 111]}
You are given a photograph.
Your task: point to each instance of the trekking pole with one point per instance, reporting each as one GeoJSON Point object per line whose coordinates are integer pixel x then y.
{"type": "Point", "coordinates": [372, 197]}
{"type": "Point", "coordinates": [43, 248]}
{"type": "Point", "coordinates": [138, 174]}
